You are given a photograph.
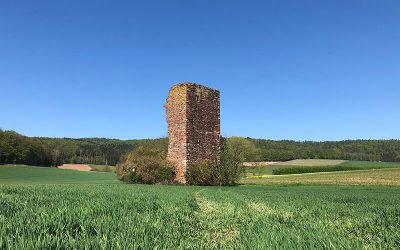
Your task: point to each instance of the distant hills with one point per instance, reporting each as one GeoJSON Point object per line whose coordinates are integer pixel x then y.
{"type": "Point", "coordinates": [42, 151]}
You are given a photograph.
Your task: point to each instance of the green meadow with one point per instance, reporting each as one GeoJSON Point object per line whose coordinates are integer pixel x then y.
{"type": "Point", "coordinates": [22, 174]}
{"type": "Point", "coordinates": [313, 166]}
{"type": "Point", "coordinates": [48, 208]}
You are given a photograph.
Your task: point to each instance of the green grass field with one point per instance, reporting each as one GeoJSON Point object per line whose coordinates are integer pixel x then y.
{"type": "Point", "coordinates": [312, 166]}
{"type": "Point", "coordinates": [44, 208]}
{"type": "Point", "coordinates": [387, 177]}
{"type": "Point", "coordinates": [310, 162]}
{"type": "Point", "coordinates": [21, 174]}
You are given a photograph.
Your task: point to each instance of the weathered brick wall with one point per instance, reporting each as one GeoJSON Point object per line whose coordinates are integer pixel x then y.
{"type": "Point", "coordinates": [193, 116]}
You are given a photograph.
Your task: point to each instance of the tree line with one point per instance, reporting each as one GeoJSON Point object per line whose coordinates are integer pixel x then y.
{"type": "Point", "coordinates": [19, 149]}
{"type": "Point", "coordinates": [357, 150]}
{"type": "Point", "coordinates": [42, 151]}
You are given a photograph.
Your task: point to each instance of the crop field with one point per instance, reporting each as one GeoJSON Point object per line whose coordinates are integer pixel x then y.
{"type": "Point", "coordinates": [76, 215]}
{"type": "Point", "coordinates": [388, 176]}
{"type": "Point", "coordinates": [311, 166]}
{"type": "Point", "coordinates": [310, 162]}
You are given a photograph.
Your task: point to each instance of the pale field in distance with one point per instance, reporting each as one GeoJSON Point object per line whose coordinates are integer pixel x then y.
{"type": "Point", "coordinates": [387, 177]}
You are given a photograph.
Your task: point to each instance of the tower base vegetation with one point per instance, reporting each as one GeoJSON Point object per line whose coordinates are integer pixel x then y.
{"type": "Point", "coordinates": [147, 165]}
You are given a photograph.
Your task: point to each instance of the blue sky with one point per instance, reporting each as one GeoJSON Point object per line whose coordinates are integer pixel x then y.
{"type": "Point", "coordinates": [301, 70]}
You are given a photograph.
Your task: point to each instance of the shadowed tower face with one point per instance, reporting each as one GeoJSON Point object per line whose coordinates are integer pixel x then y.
{"type": "Point", "coordinates": [193, 116]}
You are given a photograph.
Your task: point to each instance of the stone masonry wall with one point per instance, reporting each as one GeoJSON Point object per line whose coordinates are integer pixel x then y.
{"type": "Point", "coordinates": [193, 116]}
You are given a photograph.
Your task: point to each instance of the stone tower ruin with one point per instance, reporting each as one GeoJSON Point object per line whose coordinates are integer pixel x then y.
{"type": "Point", "coordinates": [193, 120]}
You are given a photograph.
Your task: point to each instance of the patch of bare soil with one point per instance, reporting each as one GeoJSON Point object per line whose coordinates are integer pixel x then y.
{"type": "Point", "coordinates": [80, 167]}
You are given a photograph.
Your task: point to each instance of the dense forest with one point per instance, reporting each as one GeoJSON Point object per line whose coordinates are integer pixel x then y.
{"type": "Point", "coordinates": [359, 150]}
{"type": "Point", "coordinates": [42, 151]}
{"type": "Point", "coordinates": [18, 149]}
{"type": "Point", "coordinates": [99, 151]}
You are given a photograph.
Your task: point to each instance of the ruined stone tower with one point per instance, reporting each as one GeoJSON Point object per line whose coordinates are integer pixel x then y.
{"type": "Point", "coordinates": [193, 125]}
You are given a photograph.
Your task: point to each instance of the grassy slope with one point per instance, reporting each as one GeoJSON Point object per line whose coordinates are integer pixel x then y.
{"type": "Point", "coordinates": [345, 166]}
{"type": "Point", "coordinates": [10, 174]}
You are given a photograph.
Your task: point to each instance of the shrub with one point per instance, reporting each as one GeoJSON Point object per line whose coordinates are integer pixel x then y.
{"type": "Point", "coordinates": [224, 171]}
{"type": "Point", "coordinates": [243, 149]}
{"type": "Point", "coordinates": [146, 164]}
{"type": "Point", "coordinates": [202, 173]}
{"type": "Point", "coordinates": [230, 168]}
{"type": "Point", "coordinates": [102, 168]}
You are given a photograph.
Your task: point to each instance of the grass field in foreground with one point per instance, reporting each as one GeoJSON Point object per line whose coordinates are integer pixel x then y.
{"type": "Point", "coordinates": [307, 168]}
{"type": "Point", "coordinates": [10, 174]}
{"type": "Point", "coordinates": [34, 215]}
{"type": "Point", "coordinates": [80, 216]}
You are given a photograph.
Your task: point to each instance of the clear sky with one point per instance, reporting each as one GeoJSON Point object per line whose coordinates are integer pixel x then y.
{"type": "Point", "coordinates": [301, 70]}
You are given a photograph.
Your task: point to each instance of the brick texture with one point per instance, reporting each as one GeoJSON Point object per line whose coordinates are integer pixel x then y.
{"type": "Point", "coordinates": [193, 116]}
